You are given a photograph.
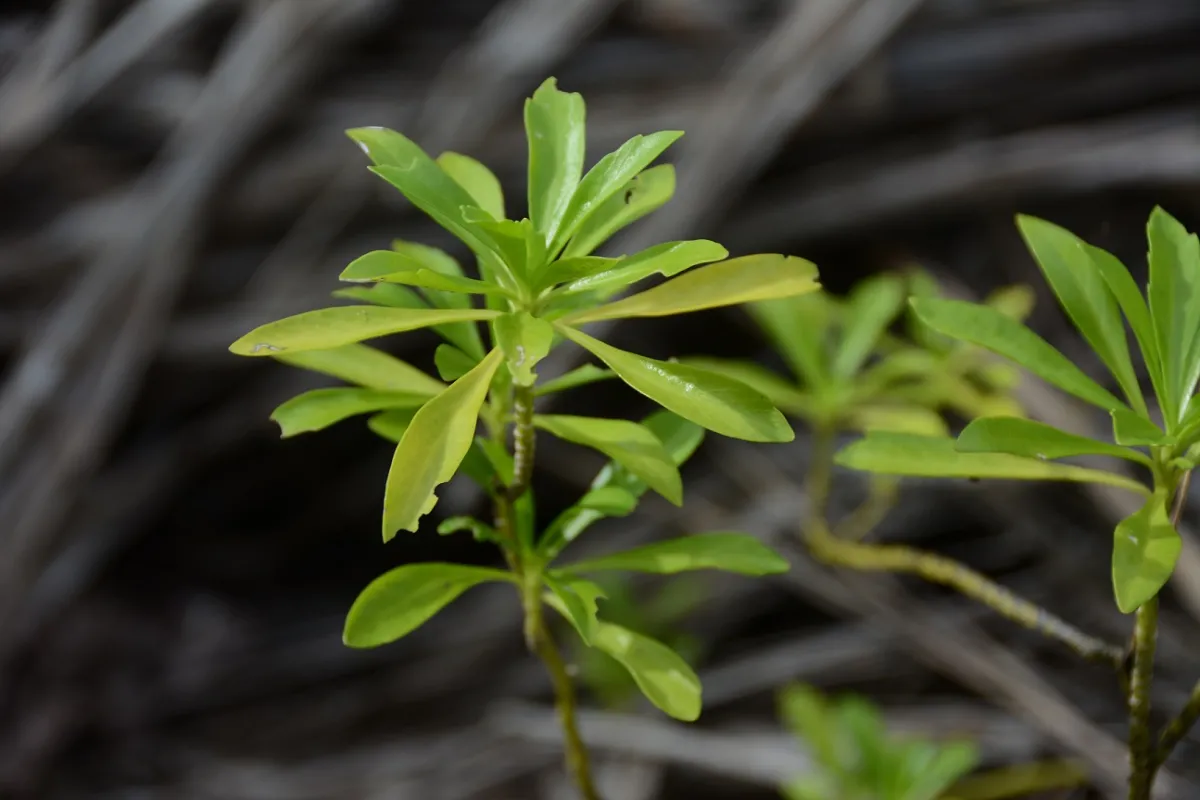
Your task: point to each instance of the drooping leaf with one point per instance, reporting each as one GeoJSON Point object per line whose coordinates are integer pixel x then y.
{"type": "Point", "coordinates": [577, 600]}
{"type": "Point", "coordinates": [365, 366]}
{"type": "Point", "coordinates": [739, 280]}
{"type": "Point", "coordinates": [631, 445]}
{"type": "Point", "coordinates": [554, 128]}
{"type": "Point", "coordinates": [580, 376]}
{"type": "Point", "coordinates": [1077, 280]}
{"type": "Point", "coordinates": [320, 408]}
{"type": "Point", "coordinates": [1131, 428]}
{"type": "Point", "coordinates": [797, 326]}
{"type": "Point", "coordinates": [994, 331]}
{"type": "Point", "coordinates": [451, 362]}
{"type": "Point", "coordinates": [525, 340]}
{"type": "Point", "coordinates": [478, 181]}
{"type": "Point", "coordinates": [607, 177]}
{"type": "Point", "coordinates": [392, 267]}
{"type": "Point", "coordinates": [871, 308]}
{"type": "Point", "coordinates": [401, 600]}
{"type": "Point", "coordinates": [783, 395]}
{"type": "Point", "coordinates": [713, 401]}
{"type": "Point", "coordinates": [1145, 549]}
{"type": "Point", "coordinates": [434, 445]}
{"type": "Point", "coordinates": [392, 424]}
{"type": "Point", "coordinates": [731, 552]}
{"type": "Point", "coordinates": [664, 678]}
{"type": "Point", "coordinates": [1174, 294]}
{"type": "Point", "coordinates": [888, 453]}
{"type": "Point", "coordinates": [1024, 437]}
{"type": "Point", "coordinates": [643, 194]}
{"type": "Point", "coordinates": [333, 327]}
{"type": "Point", "coordinates": [668, 258]}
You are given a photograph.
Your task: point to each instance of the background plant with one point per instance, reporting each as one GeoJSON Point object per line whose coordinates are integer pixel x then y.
{"type": "Point", "coordinates": [540, 284]}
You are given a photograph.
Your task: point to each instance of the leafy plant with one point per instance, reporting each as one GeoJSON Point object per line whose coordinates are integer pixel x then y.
{"type": "Point", "coordinates": [1100, 297]}
{"type": "Point", "coordinates": [540, 284]}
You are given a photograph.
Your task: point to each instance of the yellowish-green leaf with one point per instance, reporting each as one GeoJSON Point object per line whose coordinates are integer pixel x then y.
{"type": "Point", "coordinates": [668, 258]}
{"type": "Point", "coordinates": [391, 425]}
{"type": "Point", "coordinates": [525, 340]}
{"type": "Point", "coordinates": [900, 419]}
{"type": "Point", "coordinates": [1131, 428]}
{"type": "Point", "coordinates": [782, 394]}
{"type": "Point", "coordinates": [664, 678]}
{"type": "Point", "coordinates": [333, 327]}
{"type": "Point", "coordinates": [870, 309]}
{"type": "Point", "coordinates": [554, 128]}
{"type": "Point", "coordinates": [392, 267]}
{"type": "Point", "coordinates": [451, 362]}
{"type": "Point", "coordinates": [434, 445]}
{"type": "Point", "coordinates": [401, 600]}
{"type": "Point", "coordinates": [798, 327]}
{"type": "Point", "coordinates": [641, 195]}
{"type": "Point", "coordinates": [576, 599]}
{"type": "Point", "coordinates": [1025, 437]}
{"type": "Point", "coordinates": [365, 366]}
{"type": "Point", "coordinates": [478, 181]}
{"type": "Point", "coordinates": [1174, 294]}
{"type": "Point", "coordinates": [580, 376]}
{"type": "Point", "coordinates": [320, 408]}
{"type": "Point", "coordinates": [392, 295]}
{"type": "Point", "coordinates": [730, 552]}
{"type": "Point", "coordinates": [1145, 549]}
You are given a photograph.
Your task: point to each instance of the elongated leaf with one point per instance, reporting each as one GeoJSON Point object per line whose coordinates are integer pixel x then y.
{"type": "Point", "coordinates": [463, 335]}
{"type": "Point", "coordinates": [451, 362]}
{"type": "Point", "coordinates": [392, 267]}
{"type": "Point", "coordinates": [611, 501]}
{"type": "Point", "coordinates": [726, 283]}
{"type": "Point", "coordinates": [321, 408]}
{"type": "Point", "coordinates": [871, 308]}
{"type": "Point", "coordinates": [577, 600]}
{"type": "Point", "coordinates": [994, 331]}
{"type": "Point", "coordinates": [480, 531]}
{"type": "Point", "coordinates": [712, 401]}
{"type": "Point", "coordinates": [525, 340]}
{"type": "Point", "coordinates": [805, 713]}
{"type": "Point", "coordinates": [401, 600]}
{"type": "Point", "coordinates": [566, 270]}
{"type": "Point", "coordinates": [1130, 428]}
{"type": "Point", "coordinates": [641, 195]}
{"type": "Point", "coordinates": [1129, 297]}
{"type": "Point", "coordinates": [668, 258]}
{"type": "Point", "coordinates": [391, 295]}
{"type": "Point", "coordinates": [664, 678]}
{"type": "Point", "coordinates": [798, 327]}
{"type": "Point", "coordinates": [580, 376]}
{"type": "Point", "coordinates": [901, 419]}
{"type": "Point", "coordinates": [889, 453]}
{"type": "Point", "coordinates": [366, 366]}
{"type": "Point", "coordinates": [1079, 283]}
{"type": "Point", "coordinates": [1174, 294]}
{"type": "Point", "coordinates": [554, 127]}
{"type": "Point", "coordinates": [433, 447]}
{"type": "Point", "coordinates": [631, 445]}
{"type": "Point", "coordinates": [333, 327]}
{"type": "Point", "coordinates": [1145, 549]}
{"type": "Point", "coordinates": [607, 177]}
{"type": "Point", "coordinates": [429, 258]}
{"type": "Point", "coordinates": [783, 395]}
{"type": "Point", "coordinates": [478, 181]}
{"type": "Point", "coordinates": [1024, 437]}
{"type": "Point", "coordinates": [731, 552]}
{"type": "Point", "coordinates": [932, 769]}
{"type": "Point", "coordinates": [391, 425]}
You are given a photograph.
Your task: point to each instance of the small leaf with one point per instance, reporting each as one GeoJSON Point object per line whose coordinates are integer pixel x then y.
{"type": "Point", "coordinates": [333, 327]}
{"type": "Point", "coordinates": [401, 600]}
{"type": "Point", "coordinates": [887, 453]}
{"type": "Point", "coordinates": [320, 408]}
{"type": "Point", "coordinates": [1145, 549]}
{"type": "Point", "coordinates": [713, 401]}
{"type": "Point", "coordinates": [365, 366]}
{"type": "Point", "coordinates": [731, 552]}
{"type": "Point", "coordinates": [871, 308]}
{"type": "Point", "coordinates": [726, 283]}
{"type": "Point", "coordinates": [433, 447]}
{"type": "Point", "coordinates": [992, 330]}
{"type": "Point", "coordinates": [641, 195]}
{"type": "Point", "coordinates": [1024, 437]}
{"type": "Point", "coordinates": [1133, 429]}
{"type": "Point", "coordinates": [668, 258]}
{"type": "Point", "coordinates": [580, 376]}
{"type": "Point", "coordinates": [478, 181]}
{"type": "Point", "coordinates": [607, 177]}
{"type": "Point", "coordinates": [575, 599]}
{"type": "Point", "coordinates": [391, 425]}
{"type": "Point", "coordinates": [383, 294]}
{"type": "Point", "coordinates": [554, 128]}
{"type": "Point", "coordinates": [392, 267]}
{"type": "Point", "coordinates": [798, 326]}
{"type": "Point", "coordinates": [451, 362]}
{"type": "Point", "coordinates": [664, 678]}
{"type": "Point", "coordinates": [628, 443]}
{"type": "Point", "coordinates": [525, 340]}
{"type": "Point", "coordinates": [611, 501]}
{"type": "Point", "coordinates": [901, 419]}
{"type": "Point", "coordinates": [480, 531]}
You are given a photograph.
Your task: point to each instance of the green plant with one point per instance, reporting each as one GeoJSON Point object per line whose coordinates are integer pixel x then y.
{"type": "Point", "coordinates": [1100, 297]}
{"type": "Point", "coordinates": [540, 284]}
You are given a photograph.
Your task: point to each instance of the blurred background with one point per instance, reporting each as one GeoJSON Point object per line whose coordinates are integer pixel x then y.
{"type": "Point", "coordinates": [173, 577]}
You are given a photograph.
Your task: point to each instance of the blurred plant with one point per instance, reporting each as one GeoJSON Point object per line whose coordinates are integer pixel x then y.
{"type": "Point", "coordinates": [540, 285]}
{"type": "Point", "coordinates": [1100, 296]}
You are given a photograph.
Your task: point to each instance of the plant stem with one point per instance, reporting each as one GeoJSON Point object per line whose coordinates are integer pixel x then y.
{"type": "Point", "coordinates": [523, 441]}
{"type": "Point", "coordinates": [1178, 728]}
{"type": "Point", "coordinates": [1141, 759]}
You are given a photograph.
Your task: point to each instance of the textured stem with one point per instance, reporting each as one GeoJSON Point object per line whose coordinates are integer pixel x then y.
{"type": "Point", "coordinates": [523, 441]}
{"type": "Point", "coordinates": [1141, 758]}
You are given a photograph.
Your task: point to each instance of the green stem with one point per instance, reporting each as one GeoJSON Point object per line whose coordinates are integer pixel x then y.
{"type": "Point", "coordinates": [523, 441]}
{"type": "Point", "coordinates": [1141, 758]}
{"type": "Point", "coordinates": [1178, 728]}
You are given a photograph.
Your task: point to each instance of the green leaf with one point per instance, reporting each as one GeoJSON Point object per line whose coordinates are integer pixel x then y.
{"type": "Point", "coordinates": [932, 769]}
{"type": "Point", "coordinates": [383, 294]}
{"type": "Point", "coordinates": [332, 327]}
{"type": "Point", "coordinates": [401, 600]}
{"type": "Point", "coordinates": [1133, 429]}
{"type": "Point", "coordinates": [392, 267]}
{"type": "Point", "coordinates": [580, 376]}
{"type": "Point", "coordinates": [1174, 293]}
{"type": "Point", "coordinates": [731, 552]}
{"type": "Point", "coordinates": [525, 340]}
{"type": "Point", "coordinates": [451, 362]}
{"type": "Point", "coordinates": [1024, 437]}
{"type": "Point", "coordinates": [806, 715]}
{"type": "Point", "coordinates": [498, 457]}
{"type": "Point", "coordinates": [668, 258]}
{"type": "Point", "coordinates": [1078, 282]}
{"type": "Point", "coordinates": [629, 444]}
{"type": "Point", "coordinates": [712, 401]}
{"type": "Point", "coordinates": [554, 127]}
{"type": "Point", "coordinates": [566, 270]}
{"type": "Point", "coordinates": [644, 193]}
{"type": "Point", "coordinates": [1129, 297]}
{"type": "Point", "coordinates": [511, 240]}
{"type": "Point", "coordinates": [611, 501]}
{"type": "Point", "coordinates": [798, 326]}
{"type": "Point", "coordinates": [391, 425]}
{"type": "Point", "coordinates": [320, 408]}
{"type": "Point", "coordinates": [433, 447]}
{"type": "Point", "coordinates": [994, 331]}
{"type": "Point", "coordinates": [664, 678]}
{"type": "Point", "coordinates": [726, 283]}
{"type": "Point", "coordinates": [433, 259]}
{"type": "Point", "coordinates": [888, 453]}
{"type": "Point", "coordinates": [480, 531]}
{"type": "Point", "coordinates": [901, 419]}
{"type": "Point", "coordinates": [365, 366]}
{"type": "Point", "coordinates": [1145, 549]}
{"type": "Point", "coordinates": [575, 599]}
{"type": "Point", "coordinates": [607, 177]}
{"type": "Point", "coordinates": [872, 306]}
{"type": "Point", "coordinates": [478, 181]}
{"type": "Point", "coordinates": [783, 395]}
